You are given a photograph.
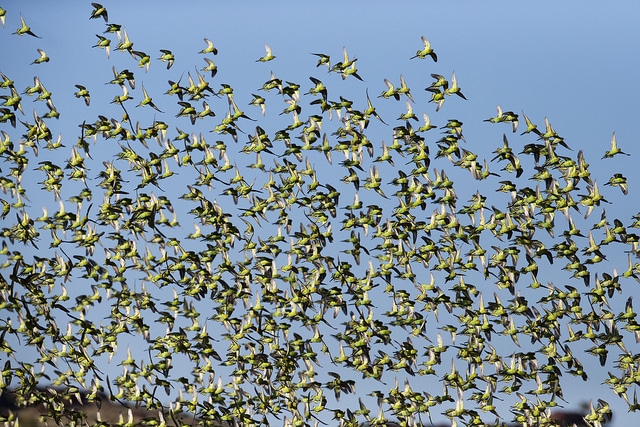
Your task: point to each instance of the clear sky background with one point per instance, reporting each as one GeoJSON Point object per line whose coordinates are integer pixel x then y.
{"type": "Point", "coordinates": [576, 63]}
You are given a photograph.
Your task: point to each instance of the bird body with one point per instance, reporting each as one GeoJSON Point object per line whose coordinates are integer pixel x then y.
{"type": "Point", "coordinates": [122, 98]}
{"type": "Point", "coordinates": [103, 43]}
{"type": "Point", "coordinates": [370, 111]}
{"type": "Point", "coordinates": [350, 71]}
{"type": "Point", "coordinates": [391, 91]}
{"type": "Point", "coordinates": [409, 114]}
{"type": "Point", "coordinates": [440, 82]}
{"type": "Point", "coordinates": [6, 82]}
{"type": "Point", "coordinates": [25, 29]}
{"type": "Point", "coordinates": [618, 180]}
{"type": "Point", "coordinates": [426, 51]}
{"type": "Point", "coordinates": [498, 118]}
{"type": "Point", "coordinates": [125, 43]}
{"type": "Point", "coordinates": [346, 61]}
{"type": "Point", "coordinates": [437, 96]}
{"type": "Point", "coordinates": [614, 148]}
{"type": "Point", "coordinates": [187, 110]}
{"type": "Point", "coordinates": [323, 60]}
{"type": "Point", "coordinates": [454, 88]}
{"type": "Point", "coordinates": [211, 67]}
{"type": "Point", "coordinates": [167, 56]}
{"type": "Point", "coordinates": [531, 127]}
{"type": "Point", "coordinates": [13, 100]}
{"type": "Point", "coordinates": [99, 12]}
{"type": "Point", "coordinates": [147, 101]}
{"type": "Point", "coordinates": [404, 89]}
{"type": "Point", "coordinates": [427, 124]}
{"type": "Point", "coordinates": [123, 76]}
{"type": "Point", "coordinates": [114, 28]}
{"type": "Point", "coordinates": [268, 56]}
{"type": "Point", "coordinates": [210, 47]}
{"type": "Point", "coordinates": [508, 117]}
{"type": "Point", "coordinates": [318, 88]}
{"type": "Point", "coordinates": [259, 102]}
{"type": "Point", "coordinates": [144, 60]}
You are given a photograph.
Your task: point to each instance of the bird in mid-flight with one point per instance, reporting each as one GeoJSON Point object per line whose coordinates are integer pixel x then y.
{"type": "Point", "coordinates": [99, 12]}
{"type": "Point", "coordinates": [43, 57]}
{"type": "Point", "coordinates": [25, 29]}
{"type": "Point", "coordinates": [427, 51]}
{"type": "Point", "coordinates": [269, 55]}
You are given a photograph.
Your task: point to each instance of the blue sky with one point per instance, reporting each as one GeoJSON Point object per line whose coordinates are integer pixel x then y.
{"type": "Point", "coordinates": [575, 63]}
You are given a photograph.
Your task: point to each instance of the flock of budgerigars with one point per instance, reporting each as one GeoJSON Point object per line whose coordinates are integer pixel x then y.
{"type": "Point", "coordinates": [322, 263]}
